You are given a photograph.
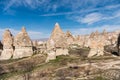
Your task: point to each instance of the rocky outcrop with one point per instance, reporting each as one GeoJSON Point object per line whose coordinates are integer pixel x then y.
{"type": "Point", "coordinates": [23, 45]}
{"type": "Point", "coordinates": [57, 43]}
{"type": "Point", "coordinates": [69, 37]}
{"type": "Point", "coordinates": [57, 38]}
{"type": "Point", "coordinates": [7, 45]}
{"type": "Point", "coordinates": [51, 55]}
{"type": "Point", "coordinates": [61, 52]}
{"type": "Point", "coordinates": [96, 48]}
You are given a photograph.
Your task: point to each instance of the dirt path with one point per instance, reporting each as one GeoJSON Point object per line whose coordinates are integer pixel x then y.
{"type": "Point", "coordinates": [110, 64]}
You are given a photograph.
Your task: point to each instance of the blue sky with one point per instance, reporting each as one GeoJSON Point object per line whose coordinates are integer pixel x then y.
{"type": "Point", "coordinates": [77, 16]}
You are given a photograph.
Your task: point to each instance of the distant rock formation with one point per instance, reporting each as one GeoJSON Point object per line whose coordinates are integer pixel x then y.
{"type": "Point", "coordinates": [96, 48]}
{"type": "Point", "coordinates": [69, 37]}
{"type": "Point", "coordinates": [23, 45]}
{"type": "Point", "coordinates": [7, 45]}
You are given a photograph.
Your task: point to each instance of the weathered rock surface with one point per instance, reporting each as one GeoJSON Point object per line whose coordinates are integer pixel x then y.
{"type": "Point", "coordinates": [51, 55]}
{"type": "Point", "coordinates": [61, 52]}
{"type": "Point", "coordinates": [7, 46]}
{"type": "Point", "coordinates": [57, 38]}
{"type": "Point", "coordinates": [69, 37]}
{"type": "Point", "coordinates": [23, 45]}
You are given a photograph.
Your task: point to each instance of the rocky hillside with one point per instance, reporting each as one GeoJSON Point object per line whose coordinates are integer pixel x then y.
{"type": "Point", "coordinates": [76, 66]}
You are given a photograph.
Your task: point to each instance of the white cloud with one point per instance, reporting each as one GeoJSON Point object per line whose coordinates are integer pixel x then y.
{"type": "Point", "coordinates": [53, 6]}
{"type": "Point", "coordinates": [91, 18]}
{"type": "Point", "coordinates": [112, 6]}
{"type": "Point", "coordinates": [95, 17]}
{"type": "Point", "coordinates": [88, 30]}
{"type": "Point", "coordinates": [32, 4]}
{"type": "Point", "coordinates": [32, 34]}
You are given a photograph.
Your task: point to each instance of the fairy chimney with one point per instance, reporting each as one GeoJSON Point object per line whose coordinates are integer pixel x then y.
{"type": "Point", "coordinates": [23, 45]}
{"type": "Point", "coordinates": [57, 38]}
{"type": "Point", "coordinates": [7, 42]}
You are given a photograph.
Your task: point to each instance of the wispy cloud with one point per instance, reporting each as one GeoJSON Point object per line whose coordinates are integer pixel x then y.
{"type": "Point", "coordinates": [32, 4]}
{"type": "Point", "coordinates": [90, 18]}
{"type": "Point", "coordinates": [95, 17]}
{"type": "Point", "coordinates": [84, 11]}
{"type": "Point", "coordinates": [49, 5]}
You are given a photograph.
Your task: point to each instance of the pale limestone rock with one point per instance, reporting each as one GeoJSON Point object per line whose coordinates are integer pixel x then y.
{"type": "Point", "coordinates": [7, 46]}
{"type": "Point", "coordinates": [97, 47]}
{"type": "Point", "coordinates": [22, 52]}
{"type": "Point", "coordinates": [92, 53]}
{"type": "Point", "coordinates": [57, 38]}
{"type": "Point", "coordinates": [22, 39]}
{"type": "Point", "coordinates": [92, 35]}
{"type": "Point", "coordinates": [104, 32]}
{"type": "Point", "coordinates": [6, 54]}
{"type": "Point", "coordinates": [69, 37]}
{"type": "Point", "coordinates": [23, 45]}
{"type": "Point", "coordinates": [51, 55]}
{"type": "Point", "coordinates": [61, 52]}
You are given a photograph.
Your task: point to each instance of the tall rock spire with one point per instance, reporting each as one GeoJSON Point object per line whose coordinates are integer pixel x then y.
{"type": "Point", "coordinates": [57, 31]}
{"type": "Point", "coordinates": [57, 37]}
{"type": "Point", "coordinates": [23, 30]}
{"type": "Point", "coordinates": [23, 45]}
{"type": "Point", "coordinates": [7, 45]}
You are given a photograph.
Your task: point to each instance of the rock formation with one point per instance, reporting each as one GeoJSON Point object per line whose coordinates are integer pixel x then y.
{"type": "Point", "coordinates": [23, 45]}
{"type": "Point", "coordinates": [69, 37]}
{"type": "Point", "coordinates": [96, 48]}
{"type": "Point", "coordinates": [7, 45]}
{"type": "Point", "coordinates": [57, 38]}
{"type": "Point", "coordinates": [57, 43]}
{"type": "Point", "coordinates": [51, 55]}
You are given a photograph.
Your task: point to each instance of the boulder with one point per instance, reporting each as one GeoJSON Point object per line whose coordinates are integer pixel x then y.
{"type": "Point", "coordinates": [23, 45]}
{"type": "Point", "coordinates": [51, 55]}
{"type": "Point", "coordinates": [61, 52]}
{"type": "Point", "coordinates": [96, 48]}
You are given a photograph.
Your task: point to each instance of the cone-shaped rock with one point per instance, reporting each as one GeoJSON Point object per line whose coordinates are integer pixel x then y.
{"type": "Point", "coordinates": [22, 39]}
{"type": "Point", "coordinates": [69, 37]}
{"type": "Point", "coordinates": [7, 45]}
{"type": "Point", "coordinates": [57, 38]}
{"type": "Point", "coordinates": [104, 32]}
{"type": "Point", "coordinates": [57, 32]}
{"type": "Point", "coordinates": [92, 35]}
{"type": "Point", "coordinates": [23, 45]}
{"type": "Point", "coordinates": [96, 33]}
